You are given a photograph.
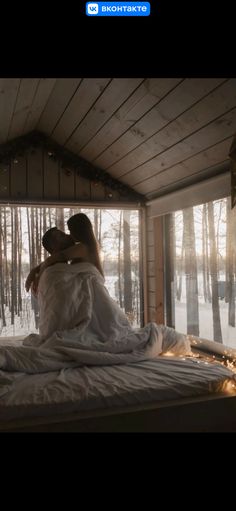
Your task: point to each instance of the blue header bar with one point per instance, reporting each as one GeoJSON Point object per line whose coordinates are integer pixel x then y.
{"type": "Point", "coordinates": [118, 8]}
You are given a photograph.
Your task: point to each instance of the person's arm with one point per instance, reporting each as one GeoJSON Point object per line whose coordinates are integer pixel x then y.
{"type": "Point", "coordinates": [78, 250]}
{"type": "Point", "coordinates": [33, 275]}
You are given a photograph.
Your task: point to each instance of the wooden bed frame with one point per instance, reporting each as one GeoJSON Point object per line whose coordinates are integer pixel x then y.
{"type": "Point", "coordinates": [212, 413]}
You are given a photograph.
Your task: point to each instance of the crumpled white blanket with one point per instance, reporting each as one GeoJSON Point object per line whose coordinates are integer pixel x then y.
{"type": "Point", "coordinates": [80, 324]}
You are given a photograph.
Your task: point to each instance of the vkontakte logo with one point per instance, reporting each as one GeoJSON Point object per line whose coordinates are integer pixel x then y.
{"type": "Point", "coordinates": [124, 8]}
{"type": "Point", "coordinates": [92, 9]}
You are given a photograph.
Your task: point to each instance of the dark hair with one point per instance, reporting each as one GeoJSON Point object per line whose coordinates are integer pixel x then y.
{"type": "Point", "coordinates": [47, 240]}
{"type": "Point", "coordinates": [81, 230]}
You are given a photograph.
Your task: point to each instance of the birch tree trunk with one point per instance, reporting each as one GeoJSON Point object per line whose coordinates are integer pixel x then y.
{"type": "Point", "coordinates": [217, 334]}
{"type": "Point", "coordinates": [127, 263]}
{"type": "Point", "coordinates": [191, 273]}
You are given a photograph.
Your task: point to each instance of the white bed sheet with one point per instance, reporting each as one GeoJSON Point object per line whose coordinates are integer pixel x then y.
{"type": "Point", "coordinates": [93, 388]}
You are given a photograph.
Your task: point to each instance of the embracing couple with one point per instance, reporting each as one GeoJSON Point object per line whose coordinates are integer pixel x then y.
{"type": "Point", "coordinates": [79, 322]}
{"type": "Point", "coordinates": [73, 297]}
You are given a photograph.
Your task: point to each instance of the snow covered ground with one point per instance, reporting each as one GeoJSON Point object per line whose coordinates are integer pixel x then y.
{"type": "Point", "coordinates": [205, 315]}
{"type": "Point", "coordinates": [206, 323]}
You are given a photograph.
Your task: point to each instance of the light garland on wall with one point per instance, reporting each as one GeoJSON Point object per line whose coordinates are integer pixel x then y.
{"type": "Point", "coordinates": [12, 150]}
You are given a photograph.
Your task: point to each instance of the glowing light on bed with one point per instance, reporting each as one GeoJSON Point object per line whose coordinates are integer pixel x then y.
{"type": "Point", "coordinates": [229, 387]}
{"type": "Point", "coordinates": [168, 354]}
{"type": "Point", "coordinates": [231, 364]}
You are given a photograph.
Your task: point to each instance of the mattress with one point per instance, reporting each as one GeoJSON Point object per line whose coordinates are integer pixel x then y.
{"type": "Point", "coordinates": [100, 388]}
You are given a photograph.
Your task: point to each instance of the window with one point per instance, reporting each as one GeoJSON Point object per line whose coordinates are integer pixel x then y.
{"type": "Point", "coordinates": [202, 250]}
{"type": "Point", "coordinates": [21, 232]}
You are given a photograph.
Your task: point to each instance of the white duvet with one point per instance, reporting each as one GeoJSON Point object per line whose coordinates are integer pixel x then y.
{"type": "Point", "coordinates": [81, 325]}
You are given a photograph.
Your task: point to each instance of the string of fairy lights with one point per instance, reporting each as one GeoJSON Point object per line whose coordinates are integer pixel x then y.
{"type": "Point", "coordinates": [227, 360]}
{"type": "Point", "coordinates": [11, 151]}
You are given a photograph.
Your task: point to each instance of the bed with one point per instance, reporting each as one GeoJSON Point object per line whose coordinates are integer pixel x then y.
{"type": "Point", "coordinates": [168, 393]}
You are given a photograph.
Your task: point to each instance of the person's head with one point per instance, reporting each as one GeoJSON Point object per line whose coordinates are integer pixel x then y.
{"type": "Point", "coordinates": [81, 230]}
{"type": "Point", "coordinates": [55, 240]}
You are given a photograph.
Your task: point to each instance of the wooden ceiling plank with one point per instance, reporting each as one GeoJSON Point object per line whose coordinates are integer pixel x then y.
{"type": "Point", "coordinates": [217, 131]}
{"type": "Point", "coordinates": [59, 100]}
{"type": "Point", "coordinates": [42, 94]}
{"type": "Point", "coordinates": [142, 99]}
{"type": "Point", "coordinates": [195, 177]}
{"type": "Point", "coordinates": [203, 160]}
{"type": "Point", "coordinates": [8, 94]}
{"type": "Point", "coordinates": [217, 103]}
{"type": "Point", "coordinates": [115, 94]}
{"type": "Point", "coordinates": [187, 93]}
{"type": "Point", "coordinates": [27, 90]}
{"type": "Point", "coordinates": [87, 93]}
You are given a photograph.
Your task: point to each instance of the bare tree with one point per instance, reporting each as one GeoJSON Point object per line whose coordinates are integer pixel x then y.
{"type": "Point", "coordinates": [208, 288]}
{"type": "Point", "coordinates": [181, 268]}
{"type": "Point", "coordinates": [2, 307]}
{"type": "Point", "coordinates": [204, 253]}
{"type": "Point", "coordinates": [12, 306]}
{"type": "Point", "coordinates": [127, 263]}
{"type": "Point", "coordinates": [60, 221]}
{"type": "Point", "coordinates": [96, 223]}
{"type": "Point", "coordinates": [119, 262]}
{"type": "Point", "coordinates": [191, 273]}
{"type": "Point", "coordinates": [217, 334]}
{"type": "Point", "coordinates": [6, 267]}
{"type": "Point", "coordinates": [230, 257]}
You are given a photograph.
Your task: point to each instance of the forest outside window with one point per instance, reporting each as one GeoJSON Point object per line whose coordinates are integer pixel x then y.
{"type": "Point", "coordinates": [117, 232]}
{"type": "Point", "coordinates": [203, 255]}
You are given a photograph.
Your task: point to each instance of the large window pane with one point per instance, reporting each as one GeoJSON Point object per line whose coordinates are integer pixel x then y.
{"type": "Point", "coordinates": [21, 232]}
{"type": "Point", "coordinates": [204, 258]}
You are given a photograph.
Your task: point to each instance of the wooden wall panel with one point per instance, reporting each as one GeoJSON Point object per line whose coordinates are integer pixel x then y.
{"type": "Point", "coordinates": [4, 181]}
{"type": "Point", "coordinates": [38, 176]}
{"type": "Point", "coordinates": [67, 183]}
{"type": "Point", "coordinates": [151, 270]}
{"type": "Point", "coordinates": [35, 174]}
{"type": "Point", "coordinates": [155, 270]}
{"type": "Point", "coordinates": [18, 179]}
{"type": "Point", "coordinates": [152, 284]}
{"type": "Point", "coordinates": [159, 264]}
{"type": "Point", "coordinates": [152, 300]}
{"type": "Point", "coordinates": [152, 313]}
{"type": "Point", "coordinates": [150, 238]}
{"type": "Point", "coordinates": [97, 191]}
{"type": "Point", "coordinates": [150, 254]}
{"type": "Point", "coordinates": [51, 178]}
{"type": "Point", "coordinates": [112, 195]}
{"type": "Point", "coordinates": [82, 188]}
